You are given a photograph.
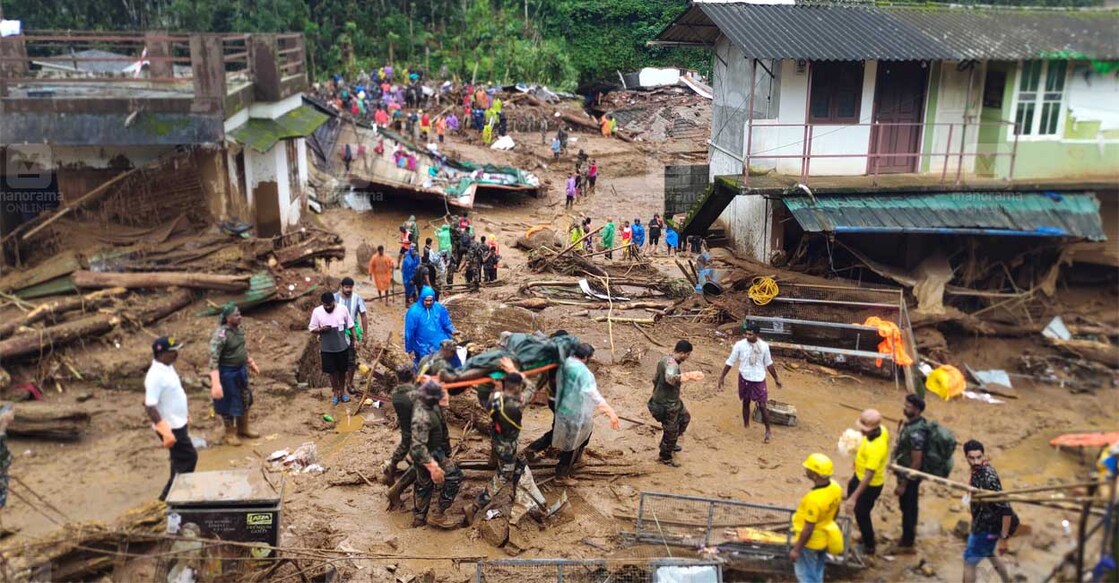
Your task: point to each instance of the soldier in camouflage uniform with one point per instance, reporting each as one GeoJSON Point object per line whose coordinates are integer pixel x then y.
{"type": "Point", "coordinates": [403, 402]}
{"type": "Point", "coordinates": [474, 259]}
{"type": "Point", "coordinates": [665, 404]}
{"type": "Point", "coordinates": [505, 408]}
{"type": "Point", "coordinates": [431, 457]}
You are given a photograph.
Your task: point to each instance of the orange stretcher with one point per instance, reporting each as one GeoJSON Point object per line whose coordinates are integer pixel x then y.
{"type": "Point", "coordinates": [487, 380]}
{"type": "Point", "coordinates": [1082, 440]}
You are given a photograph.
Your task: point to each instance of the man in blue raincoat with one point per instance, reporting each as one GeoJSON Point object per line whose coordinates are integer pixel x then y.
{"type": "Point", "coordinates": [408, 272]}
{"type": "Point", "coordinates": [638, 234]}
{"type": "Point", "coordinates": [426, 325]}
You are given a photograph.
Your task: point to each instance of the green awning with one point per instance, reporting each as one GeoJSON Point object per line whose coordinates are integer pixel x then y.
{"type": "Point", "coordinates": [1039, 214]}
{"type": "Point", "coordinates": [262, 134]}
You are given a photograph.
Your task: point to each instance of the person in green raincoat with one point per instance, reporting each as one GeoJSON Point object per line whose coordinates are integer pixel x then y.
{"type": "Point", "coordinates": [413, 228]}
{"type": "Point", "coordinates": [576, 232]}
{"type": "Point", "coordinates": [577, 400]}
{"type": "Point", "coordinates": [487, 134]}
{"type": "Point", "coordinates": [444, 237]}
{"type": "Point", "coordinates": [608, 238]}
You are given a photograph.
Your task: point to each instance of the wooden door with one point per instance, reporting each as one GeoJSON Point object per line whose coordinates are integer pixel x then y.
{"type": "Point", "coordinates": [899, 98]}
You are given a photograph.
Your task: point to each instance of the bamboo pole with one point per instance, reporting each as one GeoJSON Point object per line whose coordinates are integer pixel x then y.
{"type": "Point", "coordinates": [1039, 489]}
{"type": "Point", "coordinates": [577, 242]}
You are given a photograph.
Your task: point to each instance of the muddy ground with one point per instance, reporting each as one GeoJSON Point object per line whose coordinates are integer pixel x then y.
{"type": "Point", "coordinates": [120, 465]}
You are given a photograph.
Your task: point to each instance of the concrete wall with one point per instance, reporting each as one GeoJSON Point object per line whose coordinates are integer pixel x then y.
{"type": "Point", "coordinates": [1086, 145]}
{"type": "Point", "coordinates": [683, 185]}
{"type": "Point", "coordinates": [826, 139]}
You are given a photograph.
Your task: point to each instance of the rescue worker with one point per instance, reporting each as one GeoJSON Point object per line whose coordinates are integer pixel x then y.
{"type": "Point", "coordinates": [505, 409]}
{"type": "Point", "coordinates": [814, 521]}
{"type": "Point", "coordinates": [403, 402]}
{"type": "Point", "coordinates": [474, 257]}
{"type": "Point", "coordinates": [490, 258]}
{"type": "Point", "coordinates": [229, 376]}
{"type": "Point", "coordinates": [426, 324]}
{"type": "Point", "coordinates": [430, 453]}
{"type": "Point", "coordinates": [665, 405]}
{"type": "Point", "coordinates": [870, 475]}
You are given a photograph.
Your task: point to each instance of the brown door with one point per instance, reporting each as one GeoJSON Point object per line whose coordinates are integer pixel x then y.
{"type": "Point", "coordinates": [266, 197]}
{"type": "Point", "coordinates": [899, 98]}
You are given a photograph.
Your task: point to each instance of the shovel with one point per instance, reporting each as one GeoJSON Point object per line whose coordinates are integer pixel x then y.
{"type": "Point", "coordinates": [351, 423]}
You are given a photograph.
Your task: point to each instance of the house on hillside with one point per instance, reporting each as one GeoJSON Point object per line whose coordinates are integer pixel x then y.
{"type": "Point", "coordinates": [890, 133]}
{"type": "Point", "coordinates": [139, 130]}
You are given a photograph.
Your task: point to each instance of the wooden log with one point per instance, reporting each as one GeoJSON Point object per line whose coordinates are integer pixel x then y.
{"type": "Point", "coordinates": [86, 550]}
{"type": "Point", "coordinates": [41, 341]}
{"type": "Point", "coordinates": [633, 320]}
{"type": "Point", "coordinates": [48, 421]}
{"type": "Point", "coordinates": [232, 283]}
{"type": "Point", "coordinates": [38, 342]}
{"type": "Point", "coordinates": [53, 308]}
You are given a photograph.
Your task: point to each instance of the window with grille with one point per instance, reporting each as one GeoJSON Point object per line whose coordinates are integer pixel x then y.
{"type": "Point", "coordinates": [1041, 91]}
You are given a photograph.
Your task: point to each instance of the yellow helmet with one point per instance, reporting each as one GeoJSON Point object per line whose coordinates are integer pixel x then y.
{"type": "Point", "coordinates": [820, 464]}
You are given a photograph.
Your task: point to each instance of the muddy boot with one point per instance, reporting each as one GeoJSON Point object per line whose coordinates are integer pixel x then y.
{"type": "Point", "coordinates": [230, 432]}
{"type": "Point", "coordinates": [418, 522]}
{"type": "Point", "coordinates": [443, 519]}
{"type": "Point", "coordinates": [243, 429]}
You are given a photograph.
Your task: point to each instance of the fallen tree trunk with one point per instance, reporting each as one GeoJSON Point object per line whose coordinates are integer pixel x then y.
{"type": "Point", "coordinates": [49, 309]}
{"type": "Point", "coordinates": [84, 551]}
{"type": "Point", "coordinates": [48, 421]}
{"type": "Point", "coordinates": [41, 341]}
{"type": "Point", "coordinates": [232, 283]}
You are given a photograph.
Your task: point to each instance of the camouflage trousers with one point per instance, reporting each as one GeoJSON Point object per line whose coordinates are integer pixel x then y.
{"type": "Point", "coordinates": [674, 420]}
{"type": "Point", "coordinates": [425, 486]}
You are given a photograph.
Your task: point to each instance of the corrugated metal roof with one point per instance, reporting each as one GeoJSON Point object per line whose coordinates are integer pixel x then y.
{"type": "Point", "coordinates": [823, 31]}
{"type": "Point", "coordinates": [1043, 214]}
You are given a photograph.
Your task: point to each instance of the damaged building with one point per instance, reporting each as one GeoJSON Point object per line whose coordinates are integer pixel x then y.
{"type": "Point", "coordinates": [210, 127]}
{"type": "Point", "coordinates": [967, 148]}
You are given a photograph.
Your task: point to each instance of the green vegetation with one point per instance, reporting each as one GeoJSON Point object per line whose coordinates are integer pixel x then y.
{"type": "Point", "coordinates": [560, 43]}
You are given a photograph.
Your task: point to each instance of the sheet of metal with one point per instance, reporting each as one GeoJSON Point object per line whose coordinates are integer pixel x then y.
{"type": "Point", "coordinates": [857, 31]}
{"type": "Point", "coordinates": [1041, 214]}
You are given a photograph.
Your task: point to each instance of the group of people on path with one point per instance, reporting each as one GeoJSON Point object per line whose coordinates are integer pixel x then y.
{"type": "Point", "coordinates": [453, 250]}
{"type": "Point", "coordinates": [921, 446]}
{"type": "Point", "coordinates": [632, 238]}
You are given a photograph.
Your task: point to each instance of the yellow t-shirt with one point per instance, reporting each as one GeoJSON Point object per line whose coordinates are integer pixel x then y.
{"type": "Point", "coordinates": [873, 455]}
{"type": "Point", "coordinates": [819, 506]}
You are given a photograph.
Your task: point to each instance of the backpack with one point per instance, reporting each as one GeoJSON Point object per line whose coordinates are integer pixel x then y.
{"type": "Point", "coordinates": [940, 450]}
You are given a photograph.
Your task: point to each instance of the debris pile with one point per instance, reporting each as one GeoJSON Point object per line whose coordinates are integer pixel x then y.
{"type": "Point", "coordinates": [661, 114]}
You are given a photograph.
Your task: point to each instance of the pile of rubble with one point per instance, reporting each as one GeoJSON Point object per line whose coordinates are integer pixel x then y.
{"type": "Point", "coordinates": [662, 114]}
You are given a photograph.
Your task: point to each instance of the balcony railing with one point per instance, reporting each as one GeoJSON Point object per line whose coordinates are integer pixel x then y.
{"type": "Point", "coordinates": [50, 64]}
{"type": "Point", "coordinates": [954, 155]}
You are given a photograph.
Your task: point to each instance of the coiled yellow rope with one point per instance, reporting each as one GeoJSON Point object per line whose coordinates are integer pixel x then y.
{"type": "Point", "coordinates": [763, 290]}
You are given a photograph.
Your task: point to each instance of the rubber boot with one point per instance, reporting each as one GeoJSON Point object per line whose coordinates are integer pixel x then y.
{"type": "Point", "coordinates": [243, 429]}
{"type": "Point", "coordinates": [388, 474]}
{"type": "Point", "coordinates": [230, 432]}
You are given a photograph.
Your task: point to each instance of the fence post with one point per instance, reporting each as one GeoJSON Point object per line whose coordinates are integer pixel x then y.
{"type": "Point", "coordinates": [640, 514]}
{"type": "Point", "coordinates": [478, 572]}
{"type": "Point", "coordinates": [710, 521]}
{"type": "Point", "coordinates": [559, 573]}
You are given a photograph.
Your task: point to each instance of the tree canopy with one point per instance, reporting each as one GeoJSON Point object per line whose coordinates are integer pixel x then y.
{"type": "Point", "coordinates": [556, 42]}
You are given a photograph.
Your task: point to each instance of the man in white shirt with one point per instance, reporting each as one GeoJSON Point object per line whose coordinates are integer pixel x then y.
{"type": "Point", "coordinates": [753, 358]}
{"type": "Point", "coordinates": [355, 305]}
{"type": "Point", "coordinates": [166, 404]}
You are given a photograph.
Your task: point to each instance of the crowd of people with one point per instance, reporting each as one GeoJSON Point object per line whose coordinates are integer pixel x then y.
{"type": "Point", "coordinates": [404, 100]}
{"type": "Point", "coordinates": [923, 448]}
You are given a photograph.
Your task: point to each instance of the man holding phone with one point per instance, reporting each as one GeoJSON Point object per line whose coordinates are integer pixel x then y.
{"type": "Point", "coordinates": [166, 404]}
